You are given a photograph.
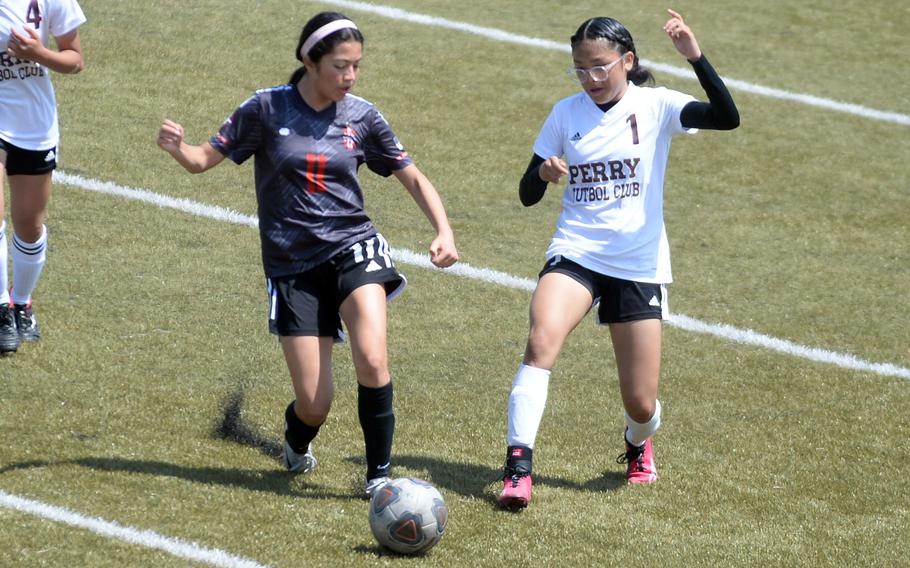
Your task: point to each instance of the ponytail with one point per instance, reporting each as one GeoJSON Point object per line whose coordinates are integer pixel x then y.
{"type": "Point", "coordinates": [297, 75]}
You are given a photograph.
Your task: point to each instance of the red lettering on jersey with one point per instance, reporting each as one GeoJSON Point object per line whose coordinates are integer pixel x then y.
{"type": "Point", "coordinates": [315, 173]}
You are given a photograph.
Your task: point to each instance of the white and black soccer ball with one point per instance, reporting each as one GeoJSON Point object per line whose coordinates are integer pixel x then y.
{"type": "Point", "coordinates": [408, 515]}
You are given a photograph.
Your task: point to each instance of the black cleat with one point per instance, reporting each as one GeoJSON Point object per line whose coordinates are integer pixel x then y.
{"type": "Point", "coordinates": [26, 322]}
{"type": "Point", "coordinates": [9, 336]}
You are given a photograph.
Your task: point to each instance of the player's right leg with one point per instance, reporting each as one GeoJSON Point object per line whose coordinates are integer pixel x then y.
{"type": "Point", "coordinates": [302, 314]}
{"type": "Point", "coordinates": [309, 361]}
{"type": "Point", "coordinates": [29, 173]}
{"type": "Point", "coordinates": [559, 303]}
{"type": "Point", "coordinates": [9, 335]}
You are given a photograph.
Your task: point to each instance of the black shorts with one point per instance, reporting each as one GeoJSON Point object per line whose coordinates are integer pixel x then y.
{"type": "Point", "coordinates": [28, 162]}
{"type": "Point", "coordinates": [307, 303]}
{"type": "Point", "coordinates": [620, 300]}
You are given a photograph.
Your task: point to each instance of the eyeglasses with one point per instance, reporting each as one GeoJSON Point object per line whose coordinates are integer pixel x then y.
{"type": "Point", "coordinates": [599, 73]}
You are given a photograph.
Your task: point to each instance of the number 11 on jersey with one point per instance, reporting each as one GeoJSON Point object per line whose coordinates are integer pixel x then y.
{"type": "Point", "coordinates": [315, 172]}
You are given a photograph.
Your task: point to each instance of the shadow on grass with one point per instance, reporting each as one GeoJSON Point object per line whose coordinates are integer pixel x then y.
{"type": "Point", "coordinates": [466, 479]}
{"type": "Point", "coordinates": [472, 480]}
{"type": "Point", "coordinates": [271, 481]}
{"type": "Point", "coordinates": [380, 552]}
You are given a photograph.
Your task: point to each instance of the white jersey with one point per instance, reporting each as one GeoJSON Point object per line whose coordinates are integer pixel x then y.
{"type": "Point", "coordinates": [28, 108]}
{"type": "Point", "coordinates": [612, 211]}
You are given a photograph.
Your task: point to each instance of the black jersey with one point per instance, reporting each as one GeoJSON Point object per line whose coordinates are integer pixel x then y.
{"type": "Point", "coordinates": [309, 199]}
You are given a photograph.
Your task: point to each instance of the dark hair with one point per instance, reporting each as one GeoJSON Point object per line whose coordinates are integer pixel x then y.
{"type": "Point", "coordinates": [610, 30]}
{"type": "Point", "coordinates": [326, 45]}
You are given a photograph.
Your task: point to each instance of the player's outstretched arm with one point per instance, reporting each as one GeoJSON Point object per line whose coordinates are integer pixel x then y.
{"type": "Point", "coordinates": [442, 250]}
{"type": "Point", "coordinates": [720, 112]}
{"type": "Point", "coordinates": [195, 159]}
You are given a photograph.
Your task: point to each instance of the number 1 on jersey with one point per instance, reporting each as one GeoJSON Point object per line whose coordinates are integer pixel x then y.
{"type": "Point", "coordinates": [33, 16]}
{"type": "Point", "coordinates": [633, 122]}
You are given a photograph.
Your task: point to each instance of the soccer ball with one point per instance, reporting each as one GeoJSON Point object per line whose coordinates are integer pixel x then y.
{"type": "Point", "coordinates": [408, 515]}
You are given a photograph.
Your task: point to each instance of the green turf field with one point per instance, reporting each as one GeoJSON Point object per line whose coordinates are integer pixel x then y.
{"type": "Point", "coordinates": [795, 226]}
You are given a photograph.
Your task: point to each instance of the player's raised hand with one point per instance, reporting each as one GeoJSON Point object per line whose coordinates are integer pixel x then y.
{"type": "Point", "coordinates": [552, 169]}
{"type": "Point", "coordinates": [682, 36]}
{"type": "Point", "coordinates": [170, 136]}
{"type": "Point", "coordinates": [442, 251]}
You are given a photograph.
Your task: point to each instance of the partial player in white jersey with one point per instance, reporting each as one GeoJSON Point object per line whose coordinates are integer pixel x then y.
{"type": "Point", "coordinates": [610, 143]}
{"type": "Point", "coordinates": [28, 144]}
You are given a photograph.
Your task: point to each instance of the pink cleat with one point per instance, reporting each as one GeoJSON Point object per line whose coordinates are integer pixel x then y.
{"type": "Point", "coordinates": [516, 480]}
{"type": "Point", "coordinates": [516, 490]}
{"type": "Point", "coordinates": [641, 469]}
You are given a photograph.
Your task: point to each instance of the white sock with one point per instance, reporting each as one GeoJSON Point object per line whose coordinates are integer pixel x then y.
{"type": "Point", "coordinates": [638, 433]}
{"type": "Point", "coordinates": [28, 260]}
{"type": "Point", "coordinates": [526, 403]}
{"type": "Point", "coordinates": [4, 270]}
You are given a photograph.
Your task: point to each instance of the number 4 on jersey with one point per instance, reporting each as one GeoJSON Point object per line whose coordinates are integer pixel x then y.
{"type": "Point", "coordinates": [33, 16]}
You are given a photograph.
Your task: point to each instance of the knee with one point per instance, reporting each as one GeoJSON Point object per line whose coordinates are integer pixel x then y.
{"type": "Point", "coordinates": [372, 368]}
{"type": "Point", "coordinates": [542, 349]}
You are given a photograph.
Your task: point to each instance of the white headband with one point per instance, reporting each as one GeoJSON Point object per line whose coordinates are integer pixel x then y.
{"type": "Point", "coordinates": [322, 32]}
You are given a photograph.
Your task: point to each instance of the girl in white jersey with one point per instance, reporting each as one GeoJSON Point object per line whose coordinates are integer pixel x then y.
{"type": "Point", "coordinates": [610, 248]}
{"type": "Point", "coordinates": [28, 144]}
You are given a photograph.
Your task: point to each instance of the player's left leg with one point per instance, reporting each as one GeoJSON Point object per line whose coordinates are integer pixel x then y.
{"type": "Point", "coordinates": [29, 196]}
{"type": "Point", "coordinates": [364, 315]}
{"type": "Point", "coordinates": [637, 345]}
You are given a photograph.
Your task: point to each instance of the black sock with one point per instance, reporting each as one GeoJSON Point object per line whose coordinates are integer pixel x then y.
{"type": "Point", "coordinates": [518, 459]}
{"type": "Point", "coordinates": [298, 433]}
{"type": "Point", "coordinates": [377, 419]}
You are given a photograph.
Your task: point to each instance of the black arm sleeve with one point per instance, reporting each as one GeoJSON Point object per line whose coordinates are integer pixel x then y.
{"type": "Point", "coordinates": [531, 188]}
{"type": "Point", "coordinates": [720, 112]}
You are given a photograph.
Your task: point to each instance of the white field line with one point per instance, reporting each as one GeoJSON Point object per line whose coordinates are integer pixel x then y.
{"type": "Point", "coordinates": [147, 539]}
{"type": "Point", "coordinates": [744, 336]}
{"type": "Point", "coordinates": [507, 37]}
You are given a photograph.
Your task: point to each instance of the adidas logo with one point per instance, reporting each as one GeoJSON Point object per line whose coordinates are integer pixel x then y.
{"type": "Point", "coordinates": [654, 302]}
{"type": "Point", "coordinates": [50, 156]}
{"type": "Point", "coordinates": [575, 138]}
{"type": "Point", "coordinates": [373, 266]}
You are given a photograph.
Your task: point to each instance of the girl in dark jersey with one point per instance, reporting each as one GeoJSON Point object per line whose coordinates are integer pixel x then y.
{"type": "Point", "coordinates": [324, 260]}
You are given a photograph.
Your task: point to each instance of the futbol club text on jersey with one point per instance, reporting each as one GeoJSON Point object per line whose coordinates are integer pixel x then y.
{"type": "Point", "coordinates": [602, 173]}
{"type": "Point", "coordinates": [14, 68]}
